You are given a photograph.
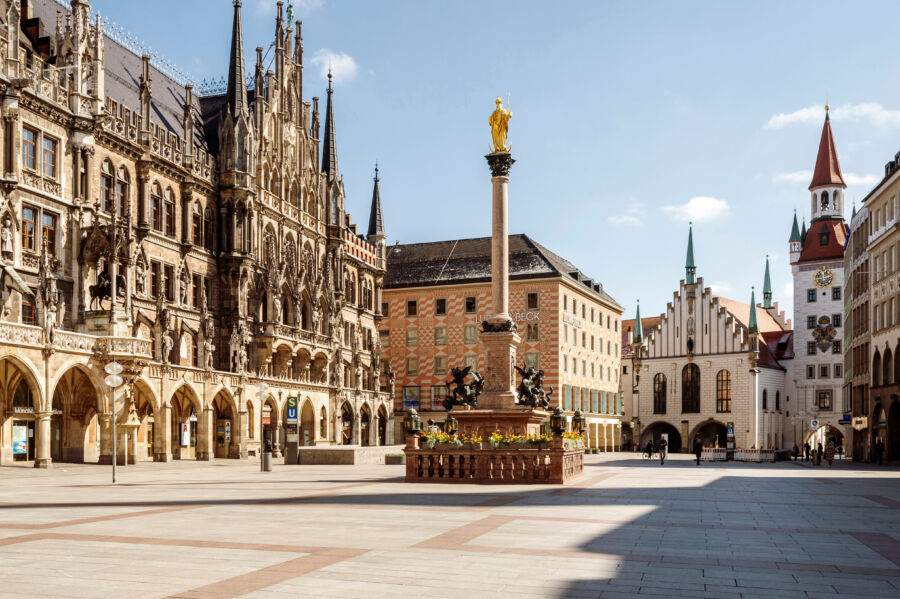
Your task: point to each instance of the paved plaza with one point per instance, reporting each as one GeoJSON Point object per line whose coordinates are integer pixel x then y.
{"type": "Point", "coordinates": [629, 528]}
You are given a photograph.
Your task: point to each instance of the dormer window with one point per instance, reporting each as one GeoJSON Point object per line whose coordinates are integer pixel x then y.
{"type": "Point", "coordinates": [823, 236]}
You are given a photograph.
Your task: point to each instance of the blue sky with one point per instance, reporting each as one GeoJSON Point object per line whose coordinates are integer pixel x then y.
{"type": "Point", "coordinates": [630, 118]}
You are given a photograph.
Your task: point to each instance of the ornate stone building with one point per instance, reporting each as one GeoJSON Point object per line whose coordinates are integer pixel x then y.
{"type": "Point", "coordinates": [709, 364]}
{"type": "Point", "coordinates": [217, 224]}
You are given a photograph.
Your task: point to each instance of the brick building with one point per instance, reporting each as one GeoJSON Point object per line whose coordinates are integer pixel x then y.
{"type": "Point", "coordinates": [437, 294]}
{"type": "Point", "coordinates": [218, 219]}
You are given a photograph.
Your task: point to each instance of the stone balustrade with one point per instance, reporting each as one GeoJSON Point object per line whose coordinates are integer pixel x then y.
{"type": "Point", "coordinates": [553, 465]}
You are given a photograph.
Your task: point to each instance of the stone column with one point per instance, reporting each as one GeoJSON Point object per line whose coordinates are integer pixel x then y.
{"type": "Point", "coordinates": [244, 427]}
{"type": "Point", "coordinates": [204, 435]}
{"type": "Point", "coordinates": [500, 163]}
{"type": "Point", "coordinates": [105, 438]}
{"type": "Point", "coordinates": [88, 173]}
{"type": "Point", "coordinates": [42, 457]}
{"type": "Point", "coordinates": [163, 436]}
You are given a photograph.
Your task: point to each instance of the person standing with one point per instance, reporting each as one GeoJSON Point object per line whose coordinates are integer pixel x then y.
{"type": "Point", "coordinates": [661, 447]}
{"type": "Point", "coordinates": [829, 453]}
{"type": "Point", "coordinates": [879, 452]}
{"type": "Point", "coordinates": [806, 449]}
{"type": "Point", "coordinates": [795, 452]}
{"type": "Point", "coordinates": [698, 448]}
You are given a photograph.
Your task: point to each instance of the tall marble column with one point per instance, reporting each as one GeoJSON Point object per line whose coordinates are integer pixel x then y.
{"type": "Point", "coordinates": [500, 163]}
{"type": "Point", "coordinates": [42, 457]}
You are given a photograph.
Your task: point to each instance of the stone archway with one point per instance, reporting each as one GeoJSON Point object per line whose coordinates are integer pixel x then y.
{"type": "Point", "coordinates": [712, 434]}
{"type": "Point", "coordinates": [656, 430]}
{"type": "Point", "coordinates": [19, 415]}
{"type": "Point", "coordinates": [381, 431]}
{"type": "Point", "coordinates": [150, 443]}
{"type": "Point", "coordinates": [892, 446]}
{"type": "Point", "coordinates": [188, 426]}
{"type": "Point", "coordinates": [307, 424]}
{"type": "Point", "coordinates": [365, 426]}
{"type": "Point", "coordinates": [226, 443]}
{"type": "Point", "coordinates": [75, 434]}
{"type": "Point", "coordinates": [346, 424]}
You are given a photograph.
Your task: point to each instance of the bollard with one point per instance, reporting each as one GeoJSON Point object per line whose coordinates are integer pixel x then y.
{"type": "Point", "coordinates": [267, 461]}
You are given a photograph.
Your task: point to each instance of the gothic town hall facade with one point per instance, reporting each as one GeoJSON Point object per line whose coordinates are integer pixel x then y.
{"type": "Point", "coordinates": [199, 240]}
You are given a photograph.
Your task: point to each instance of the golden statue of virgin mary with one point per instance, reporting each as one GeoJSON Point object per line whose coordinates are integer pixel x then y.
{"type": "Point", "coordinates": [499, 122]}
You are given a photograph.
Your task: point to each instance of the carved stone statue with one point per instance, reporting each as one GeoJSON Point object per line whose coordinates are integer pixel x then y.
{"type": "Point", "coordinates": [499, 122]}
{"type": "Point", "coordinates": [6, 238]}
{"type": "Point", "coordinates": [276, 308]}
{"type": "Point", "coordinates": [390, 383]}
{"type": "Point", "coordinates": [185, 287]}
{"type": "Point", "coordinates": [140, 276]}
{"type": "Point", "coordinates": [167, 344]}
{"type": "Point", "coordinates": [208, 349]}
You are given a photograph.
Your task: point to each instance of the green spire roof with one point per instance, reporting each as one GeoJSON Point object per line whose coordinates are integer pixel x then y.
{"type": "Point", "coordinates": [795, 230]}
{"type": "Point", "coordinates": [689, 267]}
{"type": "Point", "coordinates": [767, 286]}
{"type": "Point", "coordinates": [754, 327]}
{"type": "Point", "coordinates": [638, 329]}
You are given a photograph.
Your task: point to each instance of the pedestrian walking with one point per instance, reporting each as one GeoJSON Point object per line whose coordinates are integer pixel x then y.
{"type": "Point", "coordinates": [698, 448]}
{"type": "Point", "coordinates": [795, 452]}
{"type": "Point", "coordinates": [879, 452]}
{"type": "Point", "coordinates": [806, 449]}
{"type": "Point", "coordinates": [661, 447]}
{"type": "Point", "coordinates": [840, 451]}
{"type": "Point", "coordinates": [829, 453]}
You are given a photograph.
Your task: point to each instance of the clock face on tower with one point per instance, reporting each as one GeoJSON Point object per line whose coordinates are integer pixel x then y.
{"type": "Point", "coordinates": [823, 277]}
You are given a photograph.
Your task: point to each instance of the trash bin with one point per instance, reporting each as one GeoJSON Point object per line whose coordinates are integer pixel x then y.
{"type": "Point", "coordinates": [267, 461]}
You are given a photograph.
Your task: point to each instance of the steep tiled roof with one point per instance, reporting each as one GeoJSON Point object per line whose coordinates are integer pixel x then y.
{"type": "Point", "coordinates": [836, 232]}
{"type": "Point", "coordinates": [741, 313]}
{"type": "Point", "coordinates": [122, 72]}
{"type": "Point", "coordinates": [774, 347]}
{"type": "Point", "coordinates": [828, 169]}
{"type": "Point", "coordinates": [469, 261]}
{"type": "Point", "coordinates": [647, 324]}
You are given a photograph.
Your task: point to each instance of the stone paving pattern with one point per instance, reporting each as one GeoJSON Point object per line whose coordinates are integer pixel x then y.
{"type": "Point", "coordinates": [629, 528]}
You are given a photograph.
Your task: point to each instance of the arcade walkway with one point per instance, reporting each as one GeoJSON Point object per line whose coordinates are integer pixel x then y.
{"type": "Point", "coordinates": [631, 528]}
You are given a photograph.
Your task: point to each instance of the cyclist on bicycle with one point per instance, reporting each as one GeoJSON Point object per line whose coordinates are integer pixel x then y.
{"type": "Point", "coordinates": [650, 449]}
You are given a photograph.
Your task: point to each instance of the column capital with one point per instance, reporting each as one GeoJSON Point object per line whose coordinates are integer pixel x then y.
{"type": "Point", "coordinates": [500, 163]}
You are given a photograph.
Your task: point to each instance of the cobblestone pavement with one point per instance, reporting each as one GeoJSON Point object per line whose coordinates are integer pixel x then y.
{"type": "Point", "coordinates": [629, 528]}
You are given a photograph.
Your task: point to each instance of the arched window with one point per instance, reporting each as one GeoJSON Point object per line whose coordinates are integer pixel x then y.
{"type": "Point", "coordinates": [876, 369]}
{"type": "Point", "coordinates": [123, 189]}
{"type": "Point", "coordinates": [887, 372]}
{"type": "Point", "coordinates": [824, 200]}
{"type": "Point", "coordinates": [197, 225]}
{"type": "Point", "coordinates": [659, 394]}
{"type": "Point", "coordinates": [169, 212]}
{"type": "Point", "coordinates": [777, 400]}
{"type": "Point", "coordinates": [208, 239]}
{"type": "Point", "coordinates": [723, 391]}
{"type": "Point", "coordinates": [107, 179]}
{"type": "Point", "coordinates": [156, 207]}
{"type": "Point", "coordinates": [690, 389]}
{"type": "Point", "coordinates": [765, 405]}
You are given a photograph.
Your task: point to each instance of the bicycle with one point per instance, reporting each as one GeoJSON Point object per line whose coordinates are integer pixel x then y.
{"type": "Point", "coordinates": [650, 456]}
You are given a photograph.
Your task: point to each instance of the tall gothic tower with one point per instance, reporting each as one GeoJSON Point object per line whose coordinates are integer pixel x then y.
{"type": "Point", "coordinates": [817, 260]}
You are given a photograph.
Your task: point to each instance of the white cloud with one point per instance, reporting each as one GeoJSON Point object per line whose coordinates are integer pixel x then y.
{"type": "Point", "coordinates": [264, 7]}
{"type": "Point", "coordinates": [794, 177]}
{"type": "Point", "coordinates": [720, 288]}
{"type": "Point", "coordinates": [872, 112]}
{"type": "Point", "coordinates": [787, 291]}
{"type": "Point", "coordinates": [699, 209]}
{"type": "Point", "coordinates": [634, 216]}
{"type": "Point", "coordinates": [804, 177]}
{"type": "Point", "coordinates": [854, 179]}
{"type": "Point", "coordinates": [343, 67]}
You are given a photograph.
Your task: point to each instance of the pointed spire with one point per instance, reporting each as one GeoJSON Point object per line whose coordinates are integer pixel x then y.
{"type": "Point", "coordinates": [795, 230]}
{"type": "Point", "coordinates": [236, 96]}
{"type": "Point", "coordinates": [753, 326]}
{"type": "Point", "coordinates": [376, 221]}
{"type": "Point", "coordinates": [329, 149]}
{"type": "Point", "coordinates": [828, 169]}
{"type": "Point", "coordinates": [852, 216]}
{"type": "Point", "coordinates": [803, 231]}
{"type": "Point", "coordinates": [689, 267]}
{"type": "Point", "coordinates": [638, 336]}
{"type": "Point", "coordinates": [767, 287]}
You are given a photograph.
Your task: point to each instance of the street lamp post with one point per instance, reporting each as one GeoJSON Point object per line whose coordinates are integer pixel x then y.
{"type": "Point", "coordinates": [262, 387]}
{"type": "Point", "coordinates": [113, 380]}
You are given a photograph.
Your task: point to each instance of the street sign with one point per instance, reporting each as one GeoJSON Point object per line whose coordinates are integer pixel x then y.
{"type": "Point", "coordinates": [292, 415]}
{"type": "Point", "coordinates": [860, 423]}
{"type": "Point", "coordinates": [292, 402]}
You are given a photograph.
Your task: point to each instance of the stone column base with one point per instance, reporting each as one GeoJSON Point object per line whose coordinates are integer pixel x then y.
{"type": "Point", "coordinates": [162, 457]}
{"type": "Point", "coordinates": [203, 456]}
{"type": "Point", "coordinates": [43, 463]}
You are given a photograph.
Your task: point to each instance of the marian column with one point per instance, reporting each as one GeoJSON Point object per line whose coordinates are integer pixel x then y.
{"type": "Point", "coordinates": [499, 331]}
